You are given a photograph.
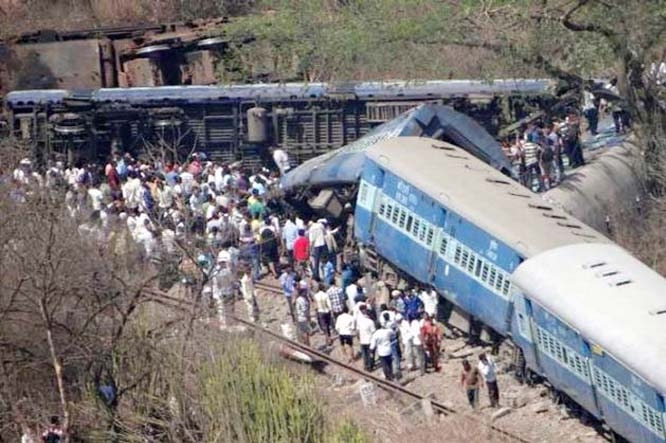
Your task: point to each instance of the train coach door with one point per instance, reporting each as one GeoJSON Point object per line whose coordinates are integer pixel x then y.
{"type": "Point", "coordinates": [523, 309]}
{"type": "Point", "coordinates": [522, 329]}
{"type": "Point", "coordinates": [368, 203]}
{"type": "Point", "coordinates": [438, 242]}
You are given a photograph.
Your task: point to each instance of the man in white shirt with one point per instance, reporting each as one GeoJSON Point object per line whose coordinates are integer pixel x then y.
{"type": "Point", "coordinates": [417, 344]}
{"type": "Point", "coordinates": [366, 327]}
{"type": "Point", "coordinates": [405, 331]}
{"type": "Point", "coordinates": [248, 293]}
{"type": "Point", "coordinates": [317, 236]}
{"type": "Point", "coordinates": [489, 372]}
{"type": "Point", "coordinates": [381, 341]}
{"type": "Point", "coordinates": [430, 301]}
{"type": "Point", "coordinates": [351, 291]}
{"type": "Point", "coordinates": [96, 198]}
{"type": "Point", "coordinates": [132, 192]}
{"type": "Point", "coordinates": [323, 306]}
{"type": "Point", "coordinates": [281, 159]}
{"type": "Point", "coordinates": [346, 327]}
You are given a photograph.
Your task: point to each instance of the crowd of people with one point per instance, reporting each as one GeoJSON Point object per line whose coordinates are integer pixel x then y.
{"type": "Point", "coordinates": [541, 150]}
{"type": "Point", "coordinates": [224, 229]}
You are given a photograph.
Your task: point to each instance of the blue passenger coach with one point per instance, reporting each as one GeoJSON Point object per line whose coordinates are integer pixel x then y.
{"type": "Point", "coordinates": [451, 221]}
{"type": "Point", "coordinates": [599, 333]}
{"type": "Point", "coordinates": [586, 315]}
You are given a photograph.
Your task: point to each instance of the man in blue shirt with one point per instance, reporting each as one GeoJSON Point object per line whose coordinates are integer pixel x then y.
{"type": "Point", "coordinates": [413, 306]}
{"type": "Point", "coordinates": [329, 270]}
{"type": "Point", "coordinates": [288, 283]}
{"type": "Point", "coordinates": [347, 276]}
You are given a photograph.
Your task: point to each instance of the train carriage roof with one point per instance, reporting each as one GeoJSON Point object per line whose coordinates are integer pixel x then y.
{"type": "Point", "coordinates": [612, 298]}
{"type": "Point", "coordinates": [481, 194]}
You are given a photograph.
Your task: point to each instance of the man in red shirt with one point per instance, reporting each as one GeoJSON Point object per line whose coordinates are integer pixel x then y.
{"type": "Point", "coordinates": [112, 175]}
{"type": "Point", "coordinates": [302, 250]}
{"type": "Point", "coordinates": [431, 337]}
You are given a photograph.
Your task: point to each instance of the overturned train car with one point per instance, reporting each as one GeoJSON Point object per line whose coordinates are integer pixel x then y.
{"type": "Point", "coordinates": [241, 121]}
{"type": "Point", "coordinates": [148, 55]}
{"type": "Point", "coordinates": [329, 181]}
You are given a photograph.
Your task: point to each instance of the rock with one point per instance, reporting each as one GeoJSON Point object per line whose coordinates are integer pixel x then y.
{"type": "Point", "coordinates": [540, 408]}
{"type": "Point", "coordinates": [564, 413]}
{"type": "Point", "coordinates": [411, 409]}
{"type": "Point", "coordinates": [501, 412]}
{"type": "Point", "coordinates": [465, 352]}
{"type": "Point", "coordinates": [338, 380]}
{"type": "Point", "coordinates": [461, 354]}
{"type": "Point", "coordinates": [448, 404]}
{"type": "Point", "coordinates": [426, 407]}
{"type": "Point", "coordinates": [520, 401]}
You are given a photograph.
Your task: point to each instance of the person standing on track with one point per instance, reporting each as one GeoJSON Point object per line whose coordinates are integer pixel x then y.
{"type": "Point", "coordinates": [470, 379]}
{"type": "Point", "coordinates": [337, 298]}
{"type": "Point", "coordinates": [302, 251]}
{"type": "Point", "coordinates": [248, 293]}
{"type": "Point", "coordinates": [366, 327]}
{"type": "Point", "coordinates": [488, 370]}
{"type": "Point", "coordinates": [222, 286]}
{"type": "Point", "coordinates": [431, 338]}
{"type": "Point", "coordinates": [323, 306]}
{"type": "Point", "coordinates": [288, 283]}
{"type": "Point", "coordinates": [381, 341]}
{"type": "Point", "coordinates": [417, 343]}
{"type": "Point", "coordinates": [346, 327]}
{"type": "Point", "coordinates": [303, 316]}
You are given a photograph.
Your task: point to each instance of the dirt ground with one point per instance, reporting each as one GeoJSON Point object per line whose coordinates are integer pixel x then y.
{"type": "Point", "coordinates": [530, 411]}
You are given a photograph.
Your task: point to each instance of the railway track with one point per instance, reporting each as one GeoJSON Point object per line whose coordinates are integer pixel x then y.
{"type": "Point", "coordinates": [321, 356]}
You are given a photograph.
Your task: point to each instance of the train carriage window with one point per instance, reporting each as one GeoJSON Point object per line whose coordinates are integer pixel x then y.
{"type": "Point", "coordinates": [394, 216]}
{"type": "Point", "coordinates": [458, 254]}
{"type": "Point", "coordinates": [416, 227]}
{"type": "Point", "coordinates": [499, 282]}
{"type": "Point", "coordinates": [382, 208]}
{"type": "Point", "coordinates": [477, 270]}
{"type": "Point", "coordinates": [422, 231]}
{"type": "Point", "coordinates": [465, 258]}
{"type": "Point", "coordinates": [507, 287]}
{"type": "Point", "coordinates": [443, 245]}
{"type": "Point", "coordinates": [472, 263]}
{"type": "Point", "coordinates": [493, 276]}
{"type": "Point", "coordinates": [389, 209]}
{"type": "Point", "coordinates": [559, 351]}
{"type": "Point", "coordinates": [431, 236]}
{"type": "Point", "coordinates": [403, 218]}
{"type": "Point", "coordinates": [408, 226]}
{"type": "Point", "coordinates": [485, 272]}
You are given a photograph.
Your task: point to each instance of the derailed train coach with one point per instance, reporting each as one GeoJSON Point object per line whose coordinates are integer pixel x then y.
{"type": "Point", "coordinates": [584, 313]}
{"type": "Point", "coordinates": [122, 56]}
{"type": "Point", "coordinates": [240, 121]}
{"type": "Point", "coordinates": [330, 181]}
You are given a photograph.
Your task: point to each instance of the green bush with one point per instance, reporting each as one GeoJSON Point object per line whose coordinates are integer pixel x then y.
{"type": "Point", "coordinates": [247, 400]}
